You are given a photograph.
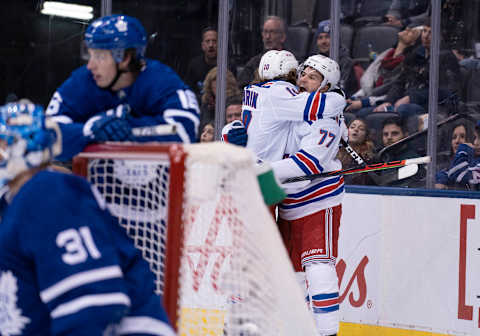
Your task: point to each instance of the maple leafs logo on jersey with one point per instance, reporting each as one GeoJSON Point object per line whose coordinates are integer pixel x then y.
{"type": "Point", "coordinates": [121, 26]}
{"type": "Point", "coordinates": [11, 320]}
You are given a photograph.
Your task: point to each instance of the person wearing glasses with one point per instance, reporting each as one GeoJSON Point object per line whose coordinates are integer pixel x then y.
{"type": "Point", "coordinates": [274, 35]}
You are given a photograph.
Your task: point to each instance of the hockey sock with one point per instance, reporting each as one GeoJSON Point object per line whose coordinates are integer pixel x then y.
{"type": "Point", "coordinates": [322, 288]}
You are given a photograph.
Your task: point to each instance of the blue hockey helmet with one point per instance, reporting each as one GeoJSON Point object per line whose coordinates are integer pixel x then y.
{"type": "Point", "coordinates": [27, 139]}
{"type": "Point", "coordinates": [117, 33]}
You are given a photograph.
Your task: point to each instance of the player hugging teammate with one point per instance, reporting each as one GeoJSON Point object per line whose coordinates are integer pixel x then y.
{"type": "Point", "coordinates": [302, 121]}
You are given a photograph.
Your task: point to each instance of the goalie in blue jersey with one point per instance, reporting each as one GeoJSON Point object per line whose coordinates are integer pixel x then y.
{"type": "Point", "coordinates": [66, 266]}
{"type": "Point", "coordinates": [119, 92]}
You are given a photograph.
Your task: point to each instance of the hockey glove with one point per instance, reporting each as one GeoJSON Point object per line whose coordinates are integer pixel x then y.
{"type": "Point", "coordinates": [110, 126]}
{"type": "Point", "coordinates": [235, 133]}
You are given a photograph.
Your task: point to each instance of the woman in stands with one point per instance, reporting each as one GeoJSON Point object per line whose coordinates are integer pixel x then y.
{"type": "Point", "coordinates": [358, 138]}
{"type": "Point", "coordinates": [380, 74]}
{"type": "Point", "coordinates": [207, 108]}
{"type": "Point", "coordinates": [461, 133]}
{"type": "Point", "coordinates": [207, 133]}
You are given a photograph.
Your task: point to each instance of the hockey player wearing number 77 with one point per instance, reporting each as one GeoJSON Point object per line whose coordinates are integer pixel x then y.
{"type": "Point", "coordinates": [119, 89]}
{"type": "Point", "coordinates": [66, 266]}
{"type": "Point", "coordinates": [309, 218]}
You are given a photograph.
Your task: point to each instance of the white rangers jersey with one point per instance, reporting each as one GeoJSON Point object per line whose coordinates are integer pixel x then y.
{"type": "Point", "coordinates": [268, 111]}
{"type": "Point", "coordinates": [282, 122]}
{"type": "Point", "coordinates": [317, 142]}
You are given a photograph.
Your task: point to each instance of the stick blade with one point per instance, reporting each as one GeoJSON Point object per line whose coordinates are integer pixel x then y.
{"type": "Point", "coordinates": [407, 171]}
{"type": "Point", "coordinates": [419, 160]}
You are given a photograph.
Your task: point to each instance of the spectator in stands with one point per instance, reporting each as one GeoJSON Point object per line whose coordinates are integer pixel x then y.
{"type": "Point", "coordinates": [362, 12]}
{"type": "Point", "coordinates": [454, 28]}
{"type": "Point", "coordinates": [348, 80]}
{"type": "Point", "coordinates": [200, 65]}
{"type": "Point", "coordinates": [393, 130]}
{"type": "Point", "coordinates": [233, 109]}
{"type": "Point", "coordinates": [274, 35]}
{"type": "Point", "coordinates": [466, 60]}
{"type": "Point", "coordinates": [464, 171]}
{"type": "Point", "coordinates": [409, 93]}
{"type": "Point", "coordinates": [207, 132]}
{"type": "Point", "coordinates": [207, 108]}
{"type": "Point", "coordinates": [461, 133]}
{"type": "Point", "coordinates": [381, 74]}
{"type": "Point", "coordinates": [403, 13]}
{"type": "Point", "coordinates": [358, 138]}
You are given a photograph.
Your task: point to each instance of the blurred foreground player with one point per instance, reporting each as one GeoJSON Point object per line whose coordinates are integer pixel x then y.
{"type": "Point", "coordinates": [66, 266]}
{"type": "Point", "coordinates": [119, 91]}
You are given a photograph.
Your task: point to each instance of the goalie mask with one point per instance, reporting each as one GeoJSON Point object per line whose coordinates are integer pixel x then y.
{"type": "Point", "coordinates": [117, 33]}
{"type": "Point", "coordinates": [326, 66]}
{"type": "Point", "coordinates": [27, 139]}
{"type": "Point", "coordinates": [276, 63]}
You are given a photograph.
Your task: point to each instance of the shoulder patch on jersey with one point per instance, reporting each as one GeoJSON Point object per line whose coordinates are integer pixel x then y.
{"type": "Point", "coordinates": [11, 320]}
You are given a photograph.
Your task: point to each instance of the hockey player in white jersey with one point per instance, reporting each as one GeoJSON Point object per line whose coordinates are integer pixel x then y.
{"type": "Point", "coordinates": [66, 266]}
{"type": "Point", "coordinates": [309, 218]}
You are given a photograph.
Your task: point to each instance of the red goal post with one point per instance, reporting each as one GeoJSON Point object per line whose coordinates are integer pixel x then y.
{"type": "Point", "coordinates": [197, 214]}
{"type": "Point", "coordinates": [175, 156]}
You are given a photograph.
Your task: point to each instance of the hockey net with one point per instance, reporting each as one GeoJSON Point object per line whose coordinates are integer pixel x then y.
{"type": "Point", "coordinates": [197, 214]}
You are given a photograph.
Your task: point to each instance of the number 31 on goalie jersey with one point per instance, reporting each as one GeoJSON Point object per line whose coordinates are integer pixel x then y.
{"type": "Point", "coordinates": [78, 245]}
{"type": "Point", "coordinates": [326, 137]}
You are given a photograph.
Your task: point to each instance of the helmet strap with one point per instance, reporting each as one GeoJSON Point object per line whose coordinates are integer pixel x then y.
{"type": "Point", "coordinates": [118, 73]}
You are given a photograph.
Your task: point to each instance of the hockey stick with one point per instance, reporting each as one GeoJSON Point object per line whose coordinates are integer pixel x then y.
{"type": "Point", "coordinates": [367, 168]}
{"type": "Point", "coordinates": [355, 156]}
{"type": "Point", "coordinates": [383, 179]}
{"type": "Point", "coordinates": [156, 130]}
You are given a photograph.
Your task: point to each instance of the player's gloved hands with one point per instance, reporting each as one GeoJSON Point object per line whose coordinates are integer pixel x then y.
{"type": "Point", "coordinates": [110, 126]}
{"type": "Point", "coordinates": [235, 133]}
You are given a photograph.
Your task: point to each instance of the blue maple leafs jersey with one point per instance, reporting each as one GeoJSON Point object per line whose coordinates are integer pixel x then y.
{"type": "Point", "coordinates": [158, 96]}
{"type": "Point", "coordinates": [68, 268]}
{"type": "Point", "coordinates": [464, 169]}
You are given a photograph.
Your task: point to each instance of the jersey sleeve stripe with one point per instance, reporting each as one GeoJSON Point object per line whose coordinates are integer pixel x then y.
{"type": "Point", "coordinates": [313, 160]}
{"type": "Point", "coordinates": [322, 107]}
{"type": "Point", "coordinates": [306, 111]}
{"type": "Point", "coordinates": [63, 119]}
{"type": "Point", "coordinates": [80, 279]}
{"type": "Point", "coordinates": [325, 191]}
{"type": "Point", "coordinates": [313, 110]}
{"type": "Point", "coordinates": [457, 168]}
{"type": "Point", "coordinates": [181, 132]}
{"type": "Point", "coordinates": [301, 165]}
{"type": "Point", "coordinates": [143, 325]}
{"type": "Point", "coordinates": [88, 301]}
{"type": "Point", "coordinates": [313, 188]}
{"type": "Point", "coordinates": [308, 163]}
{"type": "Point", "coordinates": [315, 107]}
{"type": "Point", "coordinates": [172, 113]}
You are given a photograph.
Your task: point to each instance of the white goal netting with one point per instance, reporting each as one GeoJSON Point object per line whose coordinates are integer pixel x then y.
{"type": "Point", "coordinates": [234, 276]}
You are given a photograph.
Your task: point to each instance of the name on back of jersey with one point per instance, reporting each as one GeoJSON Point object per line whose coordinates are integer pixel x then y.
{"type": "Point", "coordinates": [250, 98]}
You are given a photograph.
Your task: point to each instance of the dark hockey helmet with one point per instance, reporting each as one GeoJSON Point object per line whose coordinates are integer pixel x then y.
{"type": "Point", "coordinates": [117, 33]}
{"type": "Point", "coordinates": [28, 139]}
